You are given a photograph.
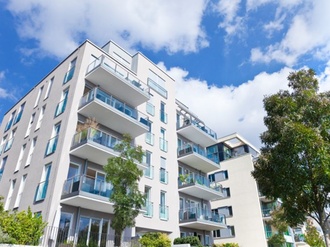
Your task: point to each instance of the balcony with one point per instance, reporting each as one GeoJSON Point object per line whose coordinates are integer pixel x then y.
{"type": "Point", "coordinates": [163, 144]}
{"type": "Point", "coordinates": [113, 113]}
{"type": "Point", "coordinates": [196, 218]}
{"type": "Point", "coordinates": [197, 132]}
{"type": "Point", "coordinates": [266, 212]}
{"type": "Point", "coordinates": [195, 156]}
{"type": "Point", "coordinates": [149, 209]}
{"type": "Point", "coordinates": [163, 212]}
{"type": "Point", "coordinates": [149, 172]}
{"type": "Point", "coordinates": [150, 138]}
{"type": "Point", "coordinates": [163, 176]}
{"type": "Point", "coordinates": [199, 186]}
{"type": "Point", "coordinates": [118, 80]}
{"type": "Point", "coordinates": [89, 193]}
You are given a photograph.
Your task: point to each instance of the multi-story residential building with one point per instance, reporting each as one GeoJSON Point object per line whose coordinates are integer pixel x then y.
{"type": "Point", "coordinates": [247, 211]}
{"type": "Point", "coordinates": [55, 141]}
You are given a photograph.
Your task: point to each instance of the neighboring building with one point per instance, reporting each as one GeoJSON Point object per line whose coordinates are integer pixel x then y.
{"type": "Point", "coordinates": [247, 211]}
{"type": "Point", "coordinates": [55, 141]}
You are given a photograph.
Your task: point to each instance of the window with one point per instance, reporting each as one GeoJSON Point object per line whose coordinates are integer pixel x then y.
{"type": "Point", "coordinates": [42, 186]}
{"type": "Point", "coordinates": [149, 136]}
{"type": "Point", "coordinates": [52, 143]}
{"type": "Point", "coordinates": [3, 143]}
{"type": "Point", "coordinates": [65, 226]}
{"type": "Point", "coordinates": [150, 108]}
{"type": "Point", "coordinates": [10, 122]}
{"type": "Point", "coordinates": [20, 158]}
{"type": "Point", "coordinates": [38, 97]}
{"type": "Point", "coordinates": [93, 231]}
{"type": "Point", "coordinates": [163, 174]}
{"type": "Point", "coordinates": [10, 141]}
{"type": "Point", "coordinates": [33, 144]}
{"type": "Point", "coordinates": [163, 209]}
{"type": "Point", "coordinates": [20, 191]}
{"type": "Point", "coordinates": [28, 130]}
{"type": "Point", "coordinates": [149, 171]}
{"type": "Point", "coordinates": [224, 233]}
{"type": "Point", "coordinates": [68, 75]}
{"type": "Point", "coordinates": [62, 104]}
{"type": "Point", "coordinates": [50, 84]}
{"type": "Point", "coordinates": [163, 114]}
{"type": "Point", "coordinates": [227, 211]}
{"type": "Point", "coordinates": [162, 140]}
{"type": "Point", "coordinates": [149, 204]}
{"type": "Point", "coordinates": [2, 166]}
{"type": "Point", "coordinates": [226, 192]}
{"type": "Point", "coordinates": [41, 115]}
{"type": "Point", "coordinates": [10, 194]}
{"type": "Point", "coordinates": [218, 176]}
{"type": "Point", "coordinates": [19, 115]}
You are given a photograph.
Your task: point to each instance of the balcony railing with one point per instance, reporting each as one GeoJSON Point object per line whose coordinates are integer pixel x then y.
{"type": "Point", "coordinates": [150, 138]}
{"type": "Point", "coordinates": [18, 117]}
{"type": "Point", "coordinates": [197, 213]}
{"type": "Point", "coordinates": [60, 108]}
{"type": "Point", "coordinates": [195, 148]}
{"type": "Point", "coordinates": [162, 144]}
{"type": "Point", "coordinates": [268, 234]}
{"type": "Point", "coordinates": [111, 66]}
{"type": "Point", "coordinates": [266, 212]}
{"type": "Point", "coordinates": [41, 191]}
{"type": "Point", "coordinates": [163, 116]}
{"type": "Point", "coordinates": [2, 147]}
{"type": "Point", "coordinates": [99, 94]}
{"type": "Point", "coordinates": [163, 175]}
{"type": "Point", "coordinates": [183, 122]}
{"type": "Point", "coordinates": [8, 145]}
{"type": "Point", "coordinates": [87, 184]}
{"type": "Point", "coordinates": [51, 145]}
{"type": "Point", "coordinates": [68, 75]}
{"type": "Point", "coordinates": [149, 172]}
{"type": "Point", "coordinates": [97, 136]}
{"type": "Point", "coordinates": [8, 125]}
{"type": "Point", "coordinates": [149, 209]}
{"type": "Point", "coordinates": [163, 212]}
{"type": "Point", "coordinates": [194, 178]}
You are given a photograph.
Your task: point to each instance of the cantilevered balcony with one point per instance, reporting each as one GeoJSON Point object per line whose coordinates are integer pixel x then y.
{"type": "Point", "coordinates": [86, 192]}
{"type": "Point", "coordinates": [96, 146]}
{"type": "Point", "coordinates": [196, 218]}
{"type": "Point", "coordinates": [199, 186]}
{"type": "Point", "coordinates": [118, 80]}
{"type": "Point", "coordinates": [196, 131]}
{"type": "Point", "coordinates": [113, 113]}
{"type": "Point", "coordinates": [196, 157]}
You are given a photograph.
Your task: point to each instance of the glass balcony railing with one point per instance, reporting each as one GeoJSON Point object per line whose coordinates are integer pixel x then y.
{"type": "Point", "coordinates": [163, 212]}
{"type": "Point", "coordinates": [8, 125]}
{"type": "Point", "coordinates": [150, 138]}
{"type": "Point", "coordinates": [184, 121]}
{"type": "Point", "coordinates": [163, 144]}
{"type": "Point", "coordinates": [97, 136]}
{"type": "Point", "coordinates": [68, 75]}
{"type": "Point", "coordinates": [99, 94]}
{"type": "Point", "coordinates": [2, 147]}
{"type": "Point", "coordinates": [194, 178]}
{"type": "Point", "coordinates": [8, 145]}
{"type": "Point", "coordinates": [268, 234]}
{"type": "Point", "coordinates": [41, 191]}
{"type": "Point", "coordinates": [149, 209]}
{"type": "Point", "coordinates": [163, 176]}
{"type": "Point", "coordinates": [149, 172]}
{"type": "Point", "coordinates": [158, 88]}
{"type": "Point", "coordinates": [18, 117]}
{"type": "Point", "coordinates": [194, 148]}
{"type": "Point", "coordinates": [112, 67]}
{"type": "Point", "coordinates": [163, 116]}
{"type": "Point", "coordinates": [87, 184]}
{"type": "Point", "coordinates": [60, 108]}
{"type": "Point", "coordinates": [51, 145]}
{"type": "Point", "coordinates": [196, 213]}
{"type": "Point", "coordinates": [266, 212]}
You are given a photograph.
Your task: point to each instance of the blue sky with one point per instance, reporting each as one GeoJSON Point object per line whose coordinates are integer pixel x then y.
{"type": "Point", "coordinates": [225, 55]}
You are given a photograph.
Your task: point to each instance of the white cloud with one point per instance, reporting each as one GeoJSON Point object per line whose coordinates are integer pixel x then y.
{"type": "Point", "coordinates": [58, 26]}
{"type": "Point", "coordinates": [230, 109]}
{"type": "Point", "coordinates": [306, 35]}
{"type": "Point", "coordinates": [4, 94]}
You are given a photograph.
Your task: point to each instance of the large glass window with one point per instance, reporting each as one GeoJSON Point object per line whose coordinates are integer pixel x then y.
{"type": "Point", "coordinates": [64, 229]}
{"type": "Point", "coordinates": [38, 97]}
{"type": "Point", "coordinates": [68, 76]}
{"type": "Point", "coordinates": [41, 115]}
{"type": "Point", "coordinates": [50, 84]}
{"type": "Point", "coordinates": [10, 122]}
{"type": "Point", "coordinates": [2, 166]}
{"type": "Point", "coordinates": [19, 115]}
{"type": "Point", "coordinates": [20, 158]}
{"type": "Point", "coordinates": [43, 185]}
{"type": "Point", "coordinates": [52, 143]}
{"type": "Point", "coordinates": [28, 130]}
{"type": "Point", "coordinates": [163, 114]}
{"type": "Point", "coordinates": [92, 232]}
{"type": "Point", "coordinates": [62, 104]}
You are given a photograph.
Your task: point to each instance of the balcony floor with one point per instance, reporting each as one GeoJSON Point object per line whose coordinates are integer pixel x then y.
{"type": "Point", "coordinates": [201, 224]}
{"type": "Point", "coordinates": [201, 191]}
{"type": "Point", "coordinates": [196, 135]}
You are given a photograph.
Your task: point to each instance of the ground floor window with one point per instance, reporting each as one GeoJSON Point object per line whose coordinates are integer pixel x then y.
{"type": "Point", "coordinates": [92, 232]}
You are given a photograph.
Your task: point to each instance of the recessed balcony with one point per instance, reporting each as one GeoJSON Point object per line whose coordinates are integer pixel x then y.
{"type": "Point", "coordinates": [96, 146]}
{"type": "Point", "coordinates": [196, 157]}
{"type": "Point", "coordinates": [118, 80]}
{"type": "Point", "coordinates": [115, 114]}
{"type": "Point", "coordinates": [89, 193]}
{"type": "Point", "coordinates": [199, 186]}
{"type": "Point", "coordinates": [196, 131]}
{"type": "Point", "coordinates": [196, 218]}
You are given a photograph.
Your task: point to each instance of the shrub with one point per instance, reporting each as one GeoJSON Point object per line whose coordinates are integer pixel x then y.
{"type": "Point", "coordinates": [155, 239]}
{"type": "Point", "coordinates": [192, 240]}
{"type": "Point", "coordinates": [226, 245]}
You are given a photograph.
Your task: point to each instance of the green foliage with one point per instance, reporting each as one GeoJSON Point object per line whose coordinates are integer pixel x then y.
{"type": "Point", "coordinates": [226, 245]}
{"type": "Point", "coordinates": [312, 236]}
{"type": "Point", "coordinates": [22, 227]}
{"type": "Point", "coordinates": [192, 240]}
{"type": "Point", "coordinates": [278, 221]}
{"type": "Point", "coordinates": [294, 164]}
{"type": "Point", "coordinates": [155, 239]}
{"type": "Point", "coordinates": [123, 173]}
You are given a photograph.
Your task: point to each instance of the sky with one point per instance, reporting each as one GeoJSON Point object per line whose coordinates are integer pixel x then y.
{"type": "Point", "coordinates": [225, 55]}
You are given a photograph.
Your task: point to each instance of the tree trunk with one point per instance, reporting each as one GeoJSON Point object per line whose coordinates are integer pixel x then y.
{"type": "Point", "coordinates": [118, 238]}
{"type": "Point", "coordinates": [324, 230]}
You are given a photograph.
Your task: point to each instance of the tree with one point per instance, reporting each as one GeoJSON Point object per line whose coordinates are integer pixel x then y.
{"type": "Point", "coordinates": [312, 236]}
{"type": "Point", "coordinates": [294, 164]}
{"type": "Point", "coordinates": [281, 226]}
{"type": "Point", "coordinates": [123, 173]}
{"type": "Point", "coordinates": [155, 239]}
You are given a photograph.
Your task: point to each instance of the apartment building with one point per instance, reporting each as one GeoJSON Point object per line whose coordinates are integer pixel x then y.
{"type": "Point", "coordinates": [55, 141]}
{"type": "Point", "coordinates": [247, 211]}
